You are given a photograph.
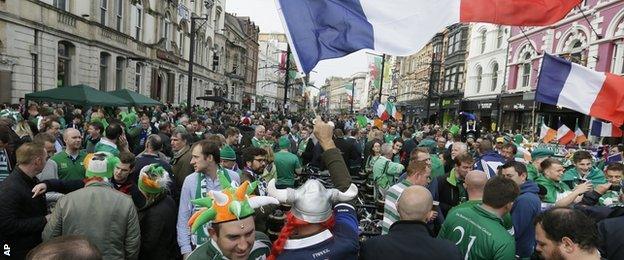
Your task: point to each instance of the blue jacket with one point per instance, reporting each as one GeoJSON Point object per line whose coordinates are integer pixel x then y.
{"type": "Point", "coordinates": [489, 162]}
{"type": "Point", "coordinates": [524, 210]}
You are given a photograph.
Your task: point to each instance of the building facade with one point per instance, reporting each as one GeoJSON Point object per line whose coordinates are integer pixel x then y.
{"type": "Point", "coordinates": [269, 75]}
{"type": "Point", "coordinates": [414, 79]}
{"type": "Point", "coordinates": [485, 72]}
{"type": "Point", "coordinates": [595, 42]}
{"type": "Point", "coordinates": [451, 87]}
{"type": "Point", "coordinates": [141, 45]}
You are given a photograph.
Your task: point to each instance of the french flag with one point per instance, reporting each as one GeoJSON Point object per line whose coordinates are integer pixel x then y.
{"type": "Point", "coordinates": [573, 86]}
{"type": "Point", "coordinates": [604, 129]}
{"type": "Point", "coordinates": [327, 29]}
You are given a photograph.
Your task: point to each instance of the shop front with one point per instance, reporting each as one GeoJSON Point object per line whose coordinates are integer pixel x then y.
{"type": "Point", "coordinates": [433, 111]}
{"type": "Point", "coordinates": [554, 117]}
{"type": "Point", "coordinates": [449, 109]}
{"type": "Point", "coordinates": [486, 111]}
{"type": "Point", "coordinates": [517, 112]}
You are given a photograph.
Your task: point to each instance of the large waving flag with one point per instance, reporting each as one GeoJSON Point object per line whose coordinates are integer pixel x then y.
{"type": "Point", "coordinates": [564, 134]}
{"type": "Point", "coordinates": [565, 84]}
{"type": "Point", "coordinates": [604, 129]}
{"type": "Point", "coordinates": [326, 29]}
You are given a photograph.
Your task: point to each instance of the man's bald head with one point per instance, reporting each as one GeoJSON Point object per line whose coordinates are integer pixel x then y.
{"type": "Point", "coordinates": [70, 132]}
{"type": "Point", "coordinates": [475, 183]}
{"type": "Point", "coordinates": [415, 203]}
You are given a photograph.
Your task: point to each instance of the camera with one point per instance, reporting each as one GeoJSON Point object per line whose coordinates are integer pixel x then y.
{"type": "Point", "coordinates": [617, 188]}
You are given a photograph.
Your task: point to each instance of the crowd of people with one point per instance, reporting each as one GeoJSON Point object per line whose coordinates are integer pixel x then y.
{"type": "Point", "coordinates": [177, 183]}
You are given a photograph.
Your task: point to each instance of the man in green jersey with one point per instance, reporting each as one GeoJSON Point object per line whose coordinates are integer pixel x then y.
{"type": "Point", "coordinates": [69, 162]}
{"type": "Point", "coordinates": [478, 230]}
{"type": "Point", "coordinates": [287, 165]}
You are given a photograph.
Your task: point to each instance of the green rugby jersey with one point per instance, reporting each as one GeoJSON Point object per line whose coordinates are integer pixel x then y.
{"type": "Point", "coordinates": [478, 234]}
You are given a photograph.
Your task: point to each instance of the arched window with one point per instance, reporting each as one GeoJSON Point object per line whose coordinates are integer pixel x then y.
{"type": "Point", "coordinates": [494, 76]}
{"type": "Point", "coordinates": [63, 70]}
{"type": "Point", "coordinates": [104, 63]}
{"type": "Point", "coordinates": [479, 78]}
{"type": "Point", "coordinates": [576, 54]}
{"type": "Point", "coordinates": [120, 68]}
{"type": "Point", "coordinates": [525, 78]}
{"type": "Point", "coordinates": [483, 40]}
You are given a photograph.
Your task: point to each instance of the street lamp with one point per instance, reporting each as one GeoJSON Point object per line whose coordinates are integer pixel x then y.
{"type": "Point", "coordinates": [208, 4]}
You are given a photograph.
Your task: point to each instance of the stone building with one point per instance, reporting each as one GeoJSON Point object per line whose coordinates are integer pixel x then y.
{"type": "Point", "coordinates": [141, 45]}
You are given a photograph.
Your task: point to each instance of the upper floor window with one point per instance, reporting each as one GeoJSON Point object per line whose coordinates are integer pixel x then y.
{"type": "Point", "coordinates": [65, 55]}
{"type": "Point", "coordinates": [525, 78]}
{"type": "Point", "coordinates": [138, 21]}
{"type": "Point", "coordinates": [479, 78]}
{"type": "Point", "coordinates": [61, 4]}
{"type": "Point", "coordinates": [104, 60]}
{"type": "Point", "coordinates": [494, 76]}
{"type": "Point", "coordinates": [483, 40]}
{"type": "Point", "coordinates": [500, 35]}
{"type": "Point", "coordinates": [103, 11]}
{"type": "Point", "coordinates": [119, 14]}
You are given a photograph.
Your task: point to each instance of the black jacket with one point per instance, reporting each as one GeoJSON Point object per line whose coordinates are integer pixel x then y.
{"type": "Point", "coordinates": [22, 218]}
{"type": "Point", "coordinates": [158, 230]}
{"type": "Point", "coordinates": [347, 147]}
{"type": "Point", "coordinates": [447, 194]}
{"type": "Point", "coordinates": [408, 240]}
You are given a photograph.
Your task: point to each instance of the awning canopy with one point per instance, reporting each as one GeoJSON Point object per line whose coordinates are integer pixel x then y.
{"type": "Point", "coordinates": [217, 99]}
{"type": "Point", "coordinates": [79, 95]}
{"type": "Point", "coordinates": [135, 98]}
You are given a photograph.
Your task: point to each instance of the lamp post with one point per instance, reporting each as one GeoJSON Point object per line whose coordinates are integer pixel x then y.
{"type": "Point", "coordinates": [191, 60]}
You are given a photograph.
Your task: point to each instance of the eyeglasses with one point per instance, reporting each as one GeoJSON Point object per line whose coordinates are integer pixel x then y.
{"type": "Point", "coordinates": [260, 160]}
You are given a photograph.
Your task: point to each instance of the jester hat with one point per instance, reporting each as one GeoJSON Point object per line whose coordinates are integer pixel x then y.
{"type": "Point", "coordinates": [153, 179]}
{"type": "Point", "coordinates": [229, 204]}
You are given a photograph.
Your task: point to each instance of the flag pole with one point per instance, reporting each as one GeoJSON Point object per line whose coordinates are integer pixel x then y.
{"type": "Point", "coordinates": [534, 120]}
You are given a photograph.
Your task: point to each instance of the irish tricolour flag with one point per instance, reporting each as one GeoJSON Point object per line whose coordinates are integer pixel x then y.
{"type": "Point", "coordinates": [573, 86]}
{"type": "Point", "coordinates": [326, 29]}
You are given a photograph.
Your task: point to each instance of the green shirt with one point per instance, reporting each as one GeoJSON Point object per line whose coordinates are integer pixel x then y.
{"type": "Point", "coordinates": [478, 234]}
{"type": "Point", "coordinates": [390, 138]}
{"type": "Point", "coordinates": [437, 168]}
{"type": "Point", "coordinates": [506, 219]}
{"type": "Point", "coordinates": [285, 164]}
{"type": "Point", "coordinates": [532, 171]}
{"type": "Point", "coordinates": [69, 168]}
{"type": "Point", "coordinates": [103, 146]}
{"type": "Point", "coordinates": [572, 177]}
{"type": "Point", "coordinates": [610, 199]}
{"type": "Point", "coordinates": [554, 190]}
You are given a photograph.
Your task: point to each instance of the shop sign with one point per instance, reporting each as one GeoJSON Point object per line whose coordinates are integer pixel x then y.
{"type": "Point", "coordinates": [518, 106]}
{"type": "Point", "coordinates": [484, 105]}
{"type": "Point", "coordinates": [433, 104]}
{"type": "Point", "coordinates": [446, 102]}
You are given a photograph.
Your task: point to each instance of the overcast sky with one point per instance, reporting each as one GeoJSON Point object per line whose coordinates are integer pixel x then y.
{"type": "Point", "coordinates": [264, 14]}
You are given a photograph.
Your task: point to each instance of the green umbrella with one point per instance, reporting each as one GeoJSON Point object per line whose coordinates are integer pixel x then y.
{"type": "Point", "coordinates": [78, 94]}
{"type": "Point", "coordinates": [135, 98]}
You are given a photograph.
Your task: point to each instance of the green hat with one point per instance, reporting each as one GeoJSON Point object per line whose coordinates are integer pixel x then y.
{"type": "Point", "coordinates": [152, 179]}
{"type": "Point", "coordinates": [227, 153]}
{"type": "Point", "coordinates": [100, 164]}
{"type": "Point", "coordinates": [431, 144]}
{"type": "Point", "coordinates": [540, 153]}
{"type": "Point", "coordinates": [454, 130]}
{"type": "Point", "coordinates": [284, 142]}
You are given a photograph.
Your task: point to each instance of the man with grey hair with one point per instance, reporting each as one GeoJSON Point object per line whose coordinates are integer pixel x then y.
{"type": "Point", "coordinates": [409, 237]}
{"type": "Point", "coordinates": [385, 171]}
{"type": "Point", "coordinates": [458, 148]}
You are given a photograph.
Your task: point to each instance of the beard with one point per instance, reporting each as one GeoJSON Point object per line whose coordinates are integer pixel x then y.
{"type": "Point", "coordinates": [554, 255]}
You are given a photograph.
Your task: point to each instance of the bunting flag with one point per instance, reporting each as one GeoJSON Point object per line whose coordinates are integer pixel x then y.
{"type": "Point", "coordinates": [579, 136]}
{"type": "Point", "coordinates": [565, 135]}
{"type": "Point", "coordinates": [547, 134]}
